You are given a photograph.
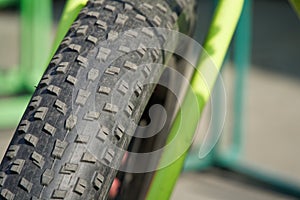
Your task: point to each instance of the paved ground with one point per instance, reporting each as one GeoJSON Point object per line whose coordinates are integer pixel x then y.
{"type": "Point", "coordinates": [272, 104]}
{"type": "Point", "coordinates": [215, 184]}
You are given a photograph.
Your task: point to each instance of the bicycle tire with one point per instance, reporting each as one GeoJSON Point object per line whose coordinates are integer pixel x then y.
{"type": "Point", "coordinates": [49, 157]}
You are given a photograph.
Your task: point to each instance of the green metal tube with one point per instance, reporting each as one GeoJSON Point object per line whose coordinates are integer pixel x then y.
{"type": "Point", "coordinates": [11, 110]}
{"type": "Point", "coordinates": [36, 26]}
{"type": "Point", "coordinates": [218, 39]}
{"type": "Point", "coordinates": [11, 82]}
{"type": "Point", "coordinates": [296, 5]}
{"type": "Point", "coordinates": [242, 54]}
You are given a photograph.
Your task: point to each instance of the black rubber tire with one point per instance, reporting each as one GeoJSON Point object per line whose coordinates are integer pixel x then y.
{"type": "Point", "coordinates": [62, 146]}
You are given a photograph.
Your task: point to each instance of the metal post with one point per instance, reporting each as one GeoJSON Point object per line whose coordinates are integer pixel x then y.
{"type": "Point", "coordinates": [242, 55]}
{"type": "Point", "coordinates": [36, 26]}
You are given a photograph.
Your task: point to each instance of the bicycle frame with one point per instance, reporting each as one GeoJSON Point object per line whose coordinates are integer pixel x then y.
{"type": "Point", "coordinates": [296, 6]}
{"type": "Point", "coordinates": [218, 39]}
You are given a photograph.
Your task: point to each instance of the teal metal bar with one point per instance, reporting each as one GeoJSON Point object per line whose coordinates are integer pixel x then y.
{"type": "Point", "coordinates": [193, 163]}
{"type": "Point", "coordinates": [242, 55]}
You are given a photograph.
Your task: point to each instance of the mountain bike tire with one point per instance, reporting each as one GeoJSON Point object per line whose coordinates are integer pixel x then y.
{"type": "Point", "coordinates": [61, 147]}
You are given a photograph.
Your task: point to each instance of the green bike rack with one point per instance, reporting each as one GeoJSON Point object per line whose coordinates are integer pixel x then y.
{"type": "Point", "coordinates": [18, 84]}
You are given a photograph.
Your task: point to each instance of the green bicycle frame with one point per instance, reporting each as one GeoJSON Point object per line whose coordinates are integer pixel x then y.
{"type": "Point", "coordinates": [218, 39]}
{"type": "Point", "coordinates": [70, 13]}
{"type": "Point", "coordinates": [296, 6]}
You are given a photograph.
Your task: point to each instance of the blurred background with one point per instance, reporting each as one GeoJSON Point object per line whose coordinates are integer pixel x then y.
{"type": "Point", "coordinates": [271, 128]}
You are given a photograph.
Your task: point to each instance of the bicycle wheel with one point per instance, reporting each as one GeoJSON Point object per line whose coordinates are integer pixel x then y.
{"type": "Point", "coordinates": [88, 100]}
